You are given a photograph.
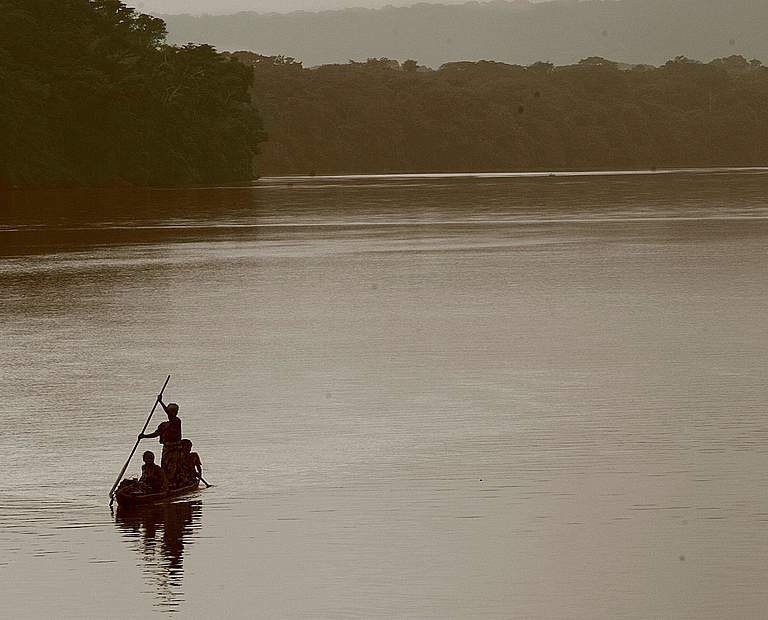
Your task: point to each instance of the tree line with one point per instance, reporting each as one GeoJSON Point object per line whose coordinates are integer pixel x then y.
{"type": "Point", "coordinates": [384, 116]}
{"type": "Point", "coordinates": [90, 94]}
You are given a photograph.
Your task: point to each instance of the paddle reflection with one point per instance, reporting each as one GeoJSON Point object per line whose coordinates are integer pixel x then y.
{"type": "Point", "coordinates": [159, 534]}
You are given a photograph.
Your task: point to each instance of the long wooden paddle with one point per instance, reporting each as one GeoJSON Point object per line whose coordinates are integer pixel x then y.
{"type": "Point", "coordinates": [136, 445]}
{"type": "Point", "coordinates": [207, 486]}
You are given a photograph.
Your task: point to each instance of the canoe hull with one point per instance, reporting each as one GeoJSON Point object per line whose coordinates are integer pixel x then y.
{"type": "Point", "coordinates": [140, 499]}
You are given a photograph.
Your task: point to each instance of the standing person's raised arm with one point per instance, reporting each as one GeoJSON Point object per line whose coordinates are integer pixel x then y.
{"type": "Point", "coordinates": [158, 430]}
{"type": "Point", "coordinates": [160, 400]}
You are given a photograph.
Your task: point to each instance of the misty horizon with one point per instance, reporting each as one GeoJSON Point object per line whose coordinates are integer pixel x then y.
{"type": "Point", "coordinates": [626, 31]}
{"type": "Point", "coordinates": [225, 7]}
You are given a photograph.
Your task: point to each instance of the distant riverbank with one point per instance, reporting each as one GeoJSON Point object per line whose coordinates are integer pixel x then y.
{"type": "Point", "coordinates": [510, 175]}
{"type": "Point", "coordinates": [45, 193]}
{"type": "Point", "coordinates": [385, 117]}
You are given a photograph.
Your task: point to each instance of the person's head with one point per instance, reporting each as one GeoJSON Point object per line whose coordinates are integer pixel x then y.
{"type": "Point", "coordinates": [149, 457]}
{"type": "Point", "coordinates": [186, 445]}
{"type": "Point", "coordinates": [172, 410]}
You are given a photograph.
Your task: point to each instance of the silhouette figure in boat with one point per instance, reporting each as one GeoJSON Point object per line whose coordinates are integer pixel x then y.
{"type": "Point", "coordinates": [169, 434]}
{"type": "Point", "coordinates": [152, 479]}
{"type": "Point", "coordinates": [179, 466]}
{"type": "Point", "coordinates": [191, 466]}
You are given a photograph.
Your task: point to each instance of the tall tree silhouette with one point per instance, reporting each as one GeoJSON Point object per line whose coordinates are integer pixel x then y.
{"type": "Point", "coordinates": [91, 94]}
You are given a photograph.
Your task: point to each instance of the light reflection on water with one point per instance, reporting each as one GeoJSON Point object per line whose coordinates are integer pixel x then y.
{"type": "Point", "coordinates": [443, 398]}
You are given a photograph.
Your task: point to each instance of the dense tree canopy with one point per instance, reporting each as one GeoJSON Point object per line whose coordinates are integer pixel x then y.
{"type": "Point", "coordinates": [90, 94]}
{"type": "Point", "coordinates": [380, 116]}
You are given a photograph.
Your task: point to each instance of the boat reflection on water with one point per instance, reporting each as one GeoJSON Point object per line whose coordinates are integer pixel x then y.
{"type": "Point", "coordinates": [159, 534]}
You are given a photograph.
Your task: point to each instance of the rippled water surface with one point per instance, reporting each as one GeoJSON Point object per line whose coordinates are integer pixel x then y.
{"type": "Point", "coordinates": [446, 397]}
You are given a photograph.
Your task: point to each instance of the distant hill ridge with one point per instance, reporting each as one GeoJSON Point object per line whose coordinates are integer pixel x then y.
{"type": "Point", "coordinates": [520, 32]}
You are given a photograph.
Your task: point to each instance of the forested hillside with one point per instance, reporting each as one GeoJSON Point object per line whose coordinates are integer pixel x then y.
{"type": "Point", "coordinates": [91, 95]}
{"type": "Point", "coordinates": [561, 31]}
{"type": "Point", "coordinates": [381, 116]}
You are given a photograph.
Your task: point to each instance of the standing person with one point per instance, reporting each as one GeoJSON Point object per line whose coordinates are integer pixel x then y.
{"type": "Point", "coordinates": [172, 461]}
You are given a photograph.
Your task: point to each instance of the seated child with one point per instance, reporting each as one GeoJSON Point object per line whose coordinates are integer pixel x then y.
{"type": "Point", "coordinates": [191, 465]}
{"type": "Point", "coordinates": [152, 476]}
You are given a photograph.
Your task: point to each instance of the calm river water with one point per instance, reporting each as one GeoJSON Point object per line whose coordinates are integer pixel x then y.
{"type": "Point", "coordinates": [417, 397]}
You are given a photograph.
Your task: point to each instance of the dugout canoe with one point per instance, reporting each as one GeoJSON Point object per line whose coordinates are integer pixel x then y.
{"type": "Point", "coordinates": [126, 497]}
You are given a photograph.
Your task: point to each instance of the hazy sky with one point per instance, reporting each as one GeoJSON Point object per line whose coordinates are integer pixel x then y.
{"type": "Point", "coordinates": [282, 6]}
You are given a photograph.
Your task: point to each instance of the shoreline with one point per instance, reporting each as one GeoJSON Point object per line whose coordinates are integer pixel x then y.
{"type": "Point", "coordinates": [513, 175]}
{"type": "Point", "coordinates": [391, 176]}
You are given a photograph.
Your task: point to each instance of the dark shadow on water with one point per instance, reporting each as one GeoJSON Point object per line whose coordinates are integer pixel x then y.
{"type": "Point", "coordinates": [160, 534]}
{"type": "Point", "coordinates": [44, 222]}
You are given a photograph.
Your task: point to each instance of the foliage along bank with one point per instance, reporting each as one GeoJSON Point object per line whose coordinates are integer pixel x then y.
{"type": "Point", "coordinates": [383, 116]}
{"type": "Point", "coordinates": [90, 94]}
